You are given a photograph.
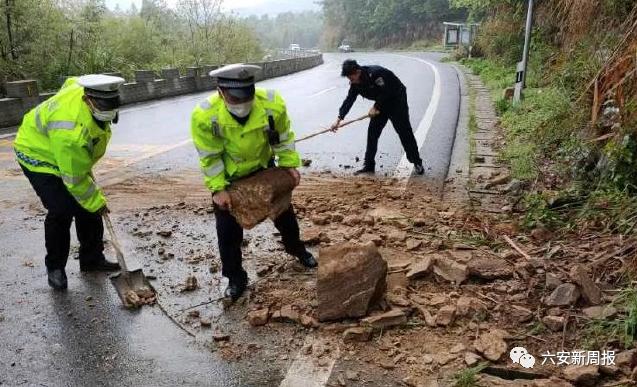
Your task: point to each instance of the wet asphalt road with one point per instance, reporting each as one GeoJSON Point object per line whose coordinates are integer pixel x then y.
{"type": "Point", "coordinates": [313, 98]}
{"type": "Point", "coordinates": [83, 337]}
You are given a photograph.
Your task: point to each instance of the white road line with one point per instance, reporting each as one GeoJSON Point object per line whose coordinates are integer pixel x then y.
{"type": "Point", "coordinates": [404, 169]}
{"type": "Point", "coordinates": [322, 92]}
{"type": "Point", "coordinates": [305, 371]}
{"type": "Point", "coordinates": [7, 135]}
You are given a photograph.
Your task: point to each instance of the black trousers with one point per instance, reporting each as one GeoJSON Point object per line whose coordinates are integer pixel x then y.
{"type": "Point", "coordinates": [230, 236]}
{"type": "Point", "coordinates": [62, 209]}
{"type": "Point", "coordinates": [398, 112]}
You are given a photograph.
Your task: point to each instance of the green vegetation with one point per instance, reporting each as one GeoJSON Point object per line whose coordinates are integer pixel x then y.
{"type": "Point", "coordinates": [550, 140]}
{"type": "Point", "coordinates": [303, 28]}
{"type": "Point", "coordinates": [467, 377]}
{"type": "Point", "coordinates": [385, 23]}
{"type": "Point", "coordinates": [50, 39]}
{"type": "Point", "coordinates": [598, 333]}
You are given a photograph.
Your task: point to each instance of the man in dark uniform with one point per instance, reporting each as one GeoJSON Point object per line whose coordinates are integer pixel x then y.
{"type": "Point", "coordinates": [381, 85]}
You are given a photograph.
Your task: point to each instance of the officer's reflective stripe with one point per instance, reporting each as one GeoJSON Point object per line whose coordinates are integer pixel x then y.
{"type": "Point", "coordinates": [282, 147]}
{"type": "Point", "coordinates": [73, 180]}
{"type": "Point", "coordinates": [38, 120]}
{"type": "Point", "coordinates": [216, 130]}
{"type": "Point", "coordinates": [283, 137]}
{"type": "Point", "coordinates": [269, 112]}
{"type": "Point", "coordinates": [236, 159]}
{"type": "Point", "coordinates": [205, 105]}
{"type": "Point", "coordinates": [60, 125]}
{"type": "Point", "coordinates": [214, 169]}
{"type": "Point", "coordinates": [206, 153]}
{"type": "Point", "coordinates": [86, 195]}
{"type": "Point", "coordinates": [271, 94]}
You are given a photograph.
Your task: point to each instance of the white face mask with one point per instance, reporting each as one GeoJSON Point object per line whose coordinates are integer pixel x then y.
{"type": "Point", "coordinates": [104, 115]}
{"type": "Point", "coordinates": [240, 110]}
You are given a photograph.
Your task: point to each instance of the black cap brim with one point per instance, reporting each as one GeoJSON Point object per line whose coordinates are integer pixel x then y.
{"type": "Point", "coordinates": [240, 92]}
{"type": "Point", "coordinates": [107, 103]}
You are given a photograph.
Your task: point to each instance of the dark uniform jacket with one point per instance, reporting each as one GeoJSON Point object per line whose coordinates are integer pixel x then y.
{"type": "Point", "coordinates": [377, 84]}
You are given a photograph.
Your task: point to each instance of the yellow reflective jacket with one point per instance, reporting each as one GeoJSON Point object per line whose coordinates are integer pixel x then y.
{"type": "Point", "coordinates": [60, 137]}
{"type": "Point", "coordinates": [228, 150]}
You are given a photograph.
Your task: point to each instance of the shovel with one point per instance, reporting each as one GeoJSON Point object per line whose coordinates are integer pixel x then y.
{"type": "Point", "coordinates": [132, 287]}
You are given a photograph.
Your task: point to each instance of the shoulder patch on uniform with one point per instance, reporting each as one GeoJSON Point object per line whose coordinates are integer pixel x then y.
{"type": "Point", "coordinates": [53, 105]}
{"type": "Point", "coordinates": [380, 81]}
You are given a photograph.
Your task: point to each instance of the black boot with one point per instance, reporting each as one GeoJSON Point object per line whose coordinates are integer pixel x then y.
{"type": "Point", "coordinates": [235, 289]}
{"type": "Point", "coordinates": [367, 169]}
{"type": "Point", "coordinates": [57, 279]}
{"type": "Point", "coordinates": [420, 170]}
{"type": "Point", "coordinates": [99, 265]}
{"type": "Point", "coordinates": [307, 259]}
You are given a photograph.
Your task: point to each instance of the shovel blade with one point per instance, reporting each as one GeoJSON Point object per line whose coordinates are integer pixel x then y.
{"type": "Point", "coordinates": [127, 283]}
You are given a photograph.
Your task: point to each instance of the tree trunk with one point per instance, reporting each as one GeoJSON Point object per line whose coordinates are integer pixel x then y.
{"type": "Point", "coordinates": [68, 61]}
{"type": "Point", "coordinates": [7, 12]}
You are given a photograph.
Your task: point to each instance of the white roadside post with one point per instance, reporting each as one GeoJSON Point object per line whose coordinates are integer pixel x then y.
{"type": "Point", "coordinates": [520, 75]}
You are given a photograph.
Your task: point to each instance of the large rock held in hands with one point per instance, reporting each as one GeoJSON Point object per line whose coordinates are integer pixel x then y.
{"type": "Point", "coordinates": [265, 194]}
{"type": "Point", "coordinates": [351, 278]}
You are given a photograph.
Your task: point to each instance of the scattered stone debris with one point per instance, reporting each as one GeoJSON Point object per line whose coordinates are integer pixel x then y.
{"type": "Point", "coordinates": [492, 344]}
{"type": "Point", "coordinates": [413, 244]}
{"type": "Point", "coordinates": [563, 295]}
{"type": "Point", "coordinates": [218, 336]}
{"type": "Point", "coordinates": [139, 297]}
{"type": "Point", "coordinates": [446, 315]}
{"type": "Point", "coordinates": [591, 293]}
{"type": "Point", "coordinates": [357, 334]}
{"type": "Point", "coordinates": [471, 359]}
{"type": "Point", "coordinates": [554, 323]}
{"type": "Point", "coordinates": [259, 317]}
{"type": "Point", "coordinates": [600, 312]}
{"type": "Point", "coordinates": [190, 284]}
{"type": "Point", "coordinates": [420, 268]}
{"type": "Point", "coordinates": [490, 268]}
{"type": "Point", "coordinates": [498, 180]}
{"type": "Point", "coordinates": [165, 233]}
{"type": "Point", "coordinates": [582, 375]}
{"type": "Point", "coordinates": [385, 320]}
{"type": "Point", "coordinates": [351, 278]}
{"type": "Point", "coordinates": [425, 325]}
{"type": "Point", "coordinates": [308, 321]}
{"type": "Point", "coordinates": [450, 270]}
{"type": "Point", "coordinates": [288, 314]}
{"type": "Point", "coordinates": [552, 281]}
{"type": "Point", "coordinates": [430, 320]}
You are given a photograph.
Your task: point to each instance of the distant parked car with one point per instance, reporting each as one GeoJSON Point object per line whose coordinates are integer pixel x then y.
{"type": "Point", "coordinates": [294, 47]}
{"type": "Point", "coordinates": [345, 48]}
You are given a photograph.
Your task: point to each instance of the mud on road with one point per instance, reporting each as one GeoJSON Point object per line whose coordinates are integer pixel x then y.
{"type": "Point", "coordinates": [476, 299]}
{"type": "Point", "coordinates": [449, 325]}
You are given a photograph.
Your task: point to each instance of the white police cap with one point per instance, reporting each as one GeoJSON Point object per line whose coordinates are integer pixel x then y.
{"type": "Point", "coordinates": [101, 86]}
{"type": "Point", "coordinates": [236, 75]}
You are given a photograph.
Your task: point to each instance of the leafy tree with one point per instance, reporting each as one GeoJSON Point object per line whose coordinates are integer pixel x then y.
{"type": "Point", "coordinates": [379, 23]}
{"type": "Point", "coordinates": [50, 39]}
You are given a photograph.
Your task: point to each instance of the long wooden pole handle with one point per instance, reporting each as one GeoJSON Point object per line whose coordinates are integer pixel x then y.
{"type": "Point", "coordinates": [115, 242]}
{"type": "Point", "coordinates": [329, 130]}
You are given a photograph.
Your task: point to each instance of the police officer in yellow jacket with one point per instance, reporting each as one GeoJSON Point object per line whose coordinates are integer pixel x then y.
{"type": "Point", "coordinates": [238, 131]}
{"type": "Point", "coordinates": [56, 146]}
